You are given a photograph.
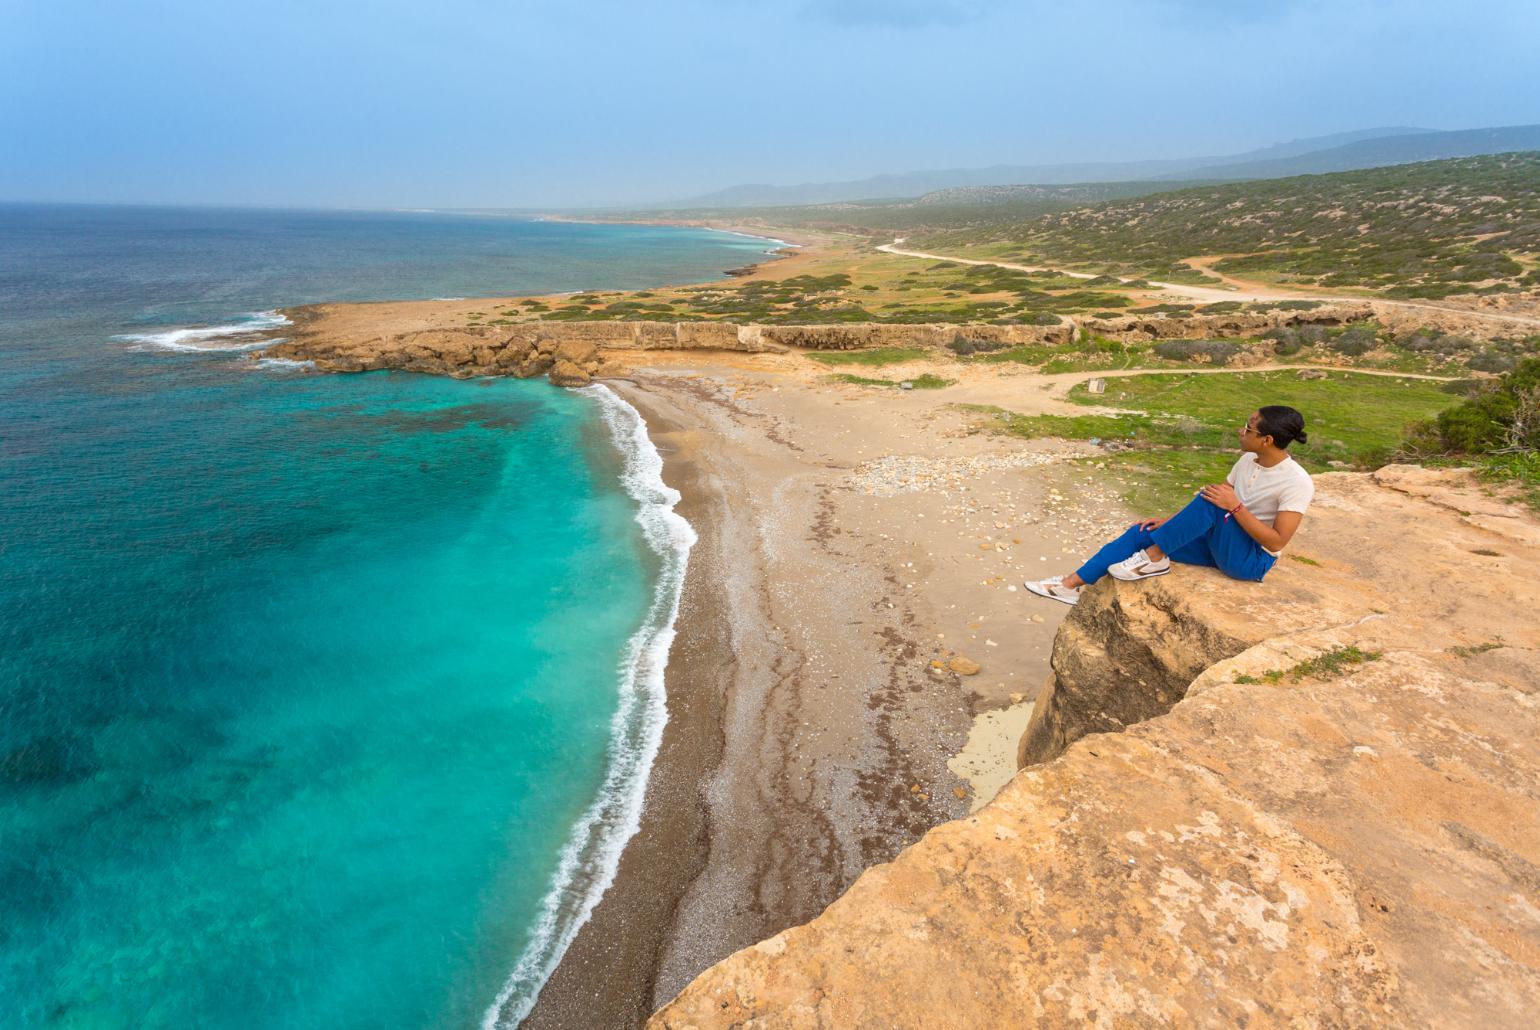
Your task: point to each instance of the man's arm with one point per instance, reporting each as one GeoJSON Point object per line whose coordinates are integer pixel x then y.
{"type": "Point", "coordinates": [1272, 537]}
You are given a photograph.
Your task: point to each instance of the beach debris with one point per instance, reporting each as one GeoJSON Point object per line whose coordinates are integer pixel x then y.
{"type": "Point", "coordinates": [964, 666]}
{"type": "Point", "coordinates": [906, 385]}
{"type": "Point", "coordinates": [1017, 699]}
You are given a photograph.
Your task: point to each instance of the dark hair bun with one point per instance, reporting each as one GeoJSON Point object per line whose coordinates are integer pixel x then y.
{"type": "Point", "coordinates": [1282, 423]}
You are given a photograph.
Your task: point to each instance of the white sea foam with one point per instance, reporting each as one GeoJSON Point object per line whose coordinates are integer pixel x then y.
{"type": "Point", "coordinates": [211, 337]}
{"type": "Point", "coordinates": [284, 364]}
{"type": "Point", "coordinates": [591, 856]}
{"type": "Point", "coordinates": [756, 236]}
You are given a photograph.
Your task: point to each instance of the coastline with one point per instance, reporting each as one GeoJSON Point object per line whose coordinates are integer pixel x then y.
{"type": "Point", "coordinates": [810, 727]}
{"type": "Point", "coordinates": [814, 727]}
{"type": "Point", "coordinates": [591, 857]}
{"type": "Point", "coordinates": [607, 975]}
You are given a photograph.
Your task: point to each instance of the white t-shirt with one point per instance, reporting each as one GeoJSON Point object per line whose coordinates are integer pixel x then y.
{"type": "Point", "coordinates": [1267, 491]}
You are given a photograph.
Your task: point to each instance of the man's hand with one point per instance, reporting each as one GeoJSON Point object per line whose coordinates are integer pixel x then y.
{"type": "Point", "coordinates": [1149, 524]}
{"type": "Point", "coordinates": [1221, 495]}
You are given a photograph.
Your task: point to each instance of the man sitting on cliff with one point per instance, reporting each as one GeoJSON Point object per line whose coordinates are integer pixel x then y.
{"type": "Point", "coordinates": [1239, 526]}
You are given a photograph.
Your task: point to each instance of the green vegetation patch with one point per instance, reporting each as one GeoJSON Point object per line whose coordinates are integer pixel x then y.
{"type": "Point", "coordinates": [1177, 432]}
{"type": "Point", "coordinates": [1495, 430]}
{"type": "Point", "coordinates": [1327, 665]}
{"type": "Point", "coordinates": [874, 357]}
{"type": "Point", "coordinates": [1430, 229]}
{"type": "Point", "coordinates": [1472, 650]}
{"type": "Point", "coordinates": [1350, 416]}
{"type": "Point", "coordinates": [924, 382]}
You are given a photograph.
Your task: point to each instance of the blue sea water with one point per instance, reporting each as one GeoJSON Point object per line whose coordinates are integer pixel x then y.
{"type": "Point", "coordinates": [324, 700]}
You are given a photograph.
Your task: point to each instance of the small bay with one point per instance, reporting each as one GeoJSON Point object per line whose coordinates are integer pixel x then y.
{"type": "Point", "coordinates": [305, 680]}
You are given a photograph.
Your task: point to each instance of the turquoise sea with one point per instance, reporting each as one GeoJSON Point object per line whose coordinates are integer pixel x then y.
{"type": "Point", "coordinates": [324, 700]}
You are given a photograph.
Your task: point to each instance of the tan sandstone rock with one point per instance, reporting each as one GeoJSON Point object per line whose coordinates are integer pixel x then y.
{"type": "Point", "coordinates": [1287, 838]}
{"type": "Point", "coordinates": [577, 352]}
{"type": "Point", "coordinates": [565, 373]}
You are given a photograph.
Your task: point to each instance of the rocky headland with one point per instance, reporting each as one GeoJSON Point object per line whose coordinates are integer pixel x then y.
{"type": "Point", "coordinates": [430, 337]}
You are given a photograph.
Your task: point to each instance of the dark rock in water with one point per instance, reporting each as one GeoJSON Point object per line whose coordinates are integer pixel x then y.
{"type": "Point", "coordinates": [745, 270]}
{"type": "Point", "coordinates": [48, 761]}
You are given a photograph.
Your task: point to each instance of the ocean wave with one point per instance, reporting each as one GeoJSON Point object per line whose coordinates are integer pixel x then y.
{"type": "Point", "coordinates": [284, 364]}
{"type": "Point", "coordinates": [756, 236]}
{"type": "Point", "coordinates": [591, 856]}
{"type": "Point", "coordinates": [211, 337]}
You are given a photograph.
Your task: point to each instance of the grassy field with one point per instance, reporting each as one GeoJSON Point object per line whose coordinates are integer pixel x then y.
{"type": "Point", "coordinates": [846, 280]}
{"type": "Point", "coordinates": [1182, 430]}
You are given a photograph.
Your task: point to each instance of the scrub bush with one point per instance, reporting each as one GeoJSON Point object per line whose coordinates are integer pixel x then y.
{"type": "Point", "coordinates": [1218, 352]}
{"type": "Point", "coordinates": [1503, 418]}
{"type": "Point", "coordinates": [1354, 342]}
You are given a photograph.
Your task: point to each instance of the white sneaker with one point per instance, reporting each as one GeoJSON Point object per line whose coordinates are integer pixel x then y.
{"type": "Point", "coordinates": [1139, 566]}
{"type": "Point", "coordinates": [1054, 589]}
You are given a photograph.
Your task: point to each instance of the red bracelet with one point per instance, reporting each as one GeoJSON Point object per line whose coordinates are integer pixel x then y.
{"type": "Point", "coordinates": [1232, 511]}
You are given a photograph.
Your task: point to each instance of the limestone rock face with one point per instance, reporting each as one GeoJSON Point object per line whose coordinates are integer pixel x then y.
{"type": "Point", "coordinates": [537, 364]}
{"type": "Point", "coordinates": [1138, 328]}
{"type": "Point", "coordinates": [577, 352]}
{"type": "Point", "coordinates": [1129, 651]}
{"type": "Point", "coordinates": [1289, 837]}
{"type": "Point", "coordinates": [565, 373]}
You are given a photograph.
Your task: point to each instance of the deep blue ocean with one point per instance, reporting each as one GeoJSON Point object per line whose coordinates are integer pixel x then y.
{"type": "Point", "coordinates": [324, 700]}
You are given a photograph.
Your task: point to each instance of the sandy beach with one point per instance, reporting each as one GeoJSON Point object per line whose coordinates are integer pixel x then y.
{"type": "Point", "coordinates": [853, 542]}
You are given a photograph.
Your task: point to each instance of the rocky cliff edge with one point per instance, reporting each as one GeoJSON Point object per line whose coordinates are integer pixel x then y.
{"type": "Point", "coordinates": [1310, 802]}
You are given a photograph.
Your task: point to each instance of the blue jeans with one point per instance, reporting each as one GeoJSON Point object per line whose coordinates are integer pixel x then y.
{"type": "Point", "coordinates": [1199, 534]}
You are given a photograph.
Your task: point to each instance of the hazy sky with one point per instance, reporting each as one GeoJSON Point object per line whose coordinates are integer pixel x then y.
{"type": "Point", "coordinates": [503, 103]}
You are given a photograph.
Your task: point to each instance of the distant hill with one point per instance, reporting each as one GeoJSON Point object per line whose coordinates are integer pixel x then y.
{"type": "Point", "coordinates": [1377, 153]}
{"type": "Point", "coordinates": [1428, 229]}
{"type": "Point", "coordinates": [914, 184]}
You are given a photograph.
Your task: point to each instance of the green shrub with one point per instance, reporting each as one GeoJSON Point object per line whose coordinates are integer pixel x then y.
{"type": "Point", "coordinates": [962, 346]}
{"type": "Point", "coordinates": [1218, 352]}
{"type": "Point", "coordinates": [1354, 342]}
{"type": "Point", "coordinates": [1502, 418]}
{"type": "Point", "coordinates": [1492, 360]}
{"type": "Point", "coordinates": [1285, 341]}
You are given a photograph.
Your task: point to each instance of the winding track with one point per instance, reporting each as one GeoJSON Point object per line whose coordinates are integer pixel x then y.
{"type": "Point", "coordinates": [1211, 294]}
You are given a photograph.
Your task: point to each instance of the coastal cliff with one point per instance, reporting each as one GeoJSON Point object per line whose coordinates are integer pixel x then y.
{"type": "Point", "coordinates": [1310, 802]}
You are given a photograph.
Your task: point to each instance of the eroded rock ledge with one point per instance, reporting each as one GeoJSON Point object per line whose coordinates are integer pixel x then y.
{"type": "Point", "coordinates": [572, 353]}
{"type": "Point", "coordinates": [1257, 842]}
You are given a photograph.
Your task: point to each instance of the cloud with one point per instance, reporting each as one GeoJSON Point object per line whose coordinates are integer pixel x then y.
{"type": "Point", "coordinates": [904, 14]}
